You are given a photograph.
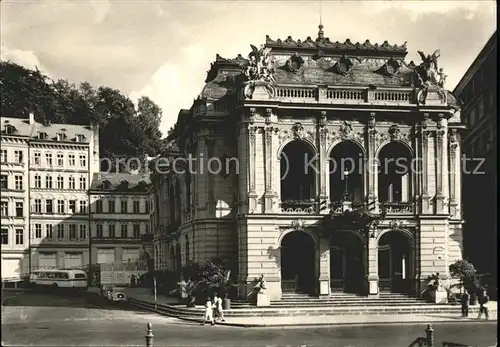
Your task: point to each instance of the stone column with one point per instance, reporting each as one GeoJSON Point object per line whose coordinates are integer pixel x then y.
{"type": "Point", "coordinates": [243, 175]}
{"type": "Point", "coordinates": [455, 182]}
{"type": "Point", "coordinates": [269, 163]}
{"type": "Point", "coordinates": [425, 133]}
{"type": "Point", "coordinates": [441, 166]}
{"type": "Point", "coordinates": [324, 266]}
{"type": "Point", "coordinates": [252, 195]}
{"type": "Point", "coordinates": [372, 165]}
{"type": "Point", "coordinates": [324, 192]}
{"type": "Point", "coordinates": [372, 273]}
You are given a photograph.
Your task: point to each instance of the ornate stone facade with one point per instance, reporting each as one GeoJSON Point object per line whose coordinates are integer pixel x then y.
{"type": "Point", "coordinates": [308, 152]}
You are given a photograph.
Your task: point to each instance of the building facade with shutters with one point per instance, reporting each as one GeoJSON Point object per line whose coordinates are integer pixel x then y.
{"type": "Point", "coordinates": [120, 218]}
{"type": "Point", "coordinates": [324, 166]}
{"type": "Point", "coordinates": [478, 91]}
{"type": "Point", "coordinates": [58, 161]}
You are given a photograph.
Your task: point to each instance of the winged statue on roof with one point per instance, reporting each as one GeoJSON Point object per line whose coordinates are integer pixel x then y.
{"type": "Point", "coordinates": [428, 69]}
{"type": "Point", "coordinates": [259, 71]}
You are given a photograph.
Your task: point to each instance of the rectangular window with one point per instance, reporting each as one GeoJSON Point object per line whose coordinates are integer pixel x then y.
{"type": "Point", "coordinates": [5, 236]}
{"type": "Point", "coordinates": [18, 182]}
{"type": "Point", "coordinates": [83, 231]}
{"type": "Point", "coordinates": [72, 206]}
{"type": "Point", "coordinates": [36, 157]}
{"type": "Point", "coordinates": [83, 160]}
{"type": "Point", "coordinates": [71, 160]}
{"type": "Point", "coordinates": [18, 155]}
{"type": "Point", "coordinates": [3, 158]}
{"type": "Point", "coordinates": [72, 231]}
{"type": "Point", "coordinates": [83, 206]}
{"type": "Point", "coordinates": [48, 159]}
{"type": "Point", "coordinates": [48, 182]}
{"type": "Point", "coordinates": [60, 231]}
{"type": "Point", "coordinates": [3, 182]}
{"type": "Point", "coordinates": [99, 231]}
{"type": "Point", "coordinates": [60, 182]}
{"type": "Point", "coordinates": [111, 206]}
{"type": "Point", "coordinates": [49, 206]}
{"type": "Point", "coordinates": [98, 206]}
{"type": "Point", "coordinates": [38, 205]}
{"type": "Point", "coordinates": [60, 159]}
{"type": "Point", "coordinates": [124, 231]}
{"type": "Point", "coordinates": [124, 206]}
{"type": "Point", "coordinates": [4, 208]}
{"type": "Point", "coordinates": [83, 183]}
{"type": "Point", "coordinates": [137, 231]}
{"type": "Point", "coordinates": [112, 232]}
{"type": "Point", "coordinates": [48, 231]}
{"type": "Point", "coordinates": [38, 231]}
{"type": "Point", "coordinates": [19, 236]}
{"type": "Point", "coordinates": [38, 181]}
{"type": "Point", "coordinates": [60, 206]}
{"type": "Point", "coordinates": [148, 208]}
{"type": "Point", "coordinates": [19, 209]}
{"type": "Point", "coordinates": [136, 207]}
{"type": "Point", "coordinates": [71, 183]}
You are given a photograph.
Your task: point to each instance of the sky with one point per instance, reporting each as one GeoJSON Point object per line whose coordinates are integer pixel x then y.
{"type": "Point", "coordinates": [163, 49]}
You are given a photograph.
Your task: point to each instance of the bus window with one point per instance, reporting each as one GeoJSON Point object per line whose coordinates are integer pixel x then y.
{"type": "Point", "coordinates": [64, 275]}
{"type": "Point", "coordinates": [79, 276]}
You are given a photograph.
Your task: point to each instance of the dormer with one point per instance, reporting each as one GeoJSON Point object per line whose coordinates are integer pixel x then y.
{"type": "Point", "coordinates": [80, 138]}
{"type": "Point", "coordinates": [61, 137]}
{"type": "Point", "coordinates": [10, 130]}
{"type": "Point", "coordinates": [43, 136]}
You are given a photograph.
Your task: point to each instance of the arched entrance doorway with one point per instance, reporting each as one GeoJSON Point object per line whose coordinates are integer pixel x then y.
{"type": "Point", "coordinates": [298, 180]}
{"type": "Point", "coordinates": [347, 265]}
{"type": "Point", "coordinates": [395, 262]}
{"type": "Point", "coordinates": [298, 263]}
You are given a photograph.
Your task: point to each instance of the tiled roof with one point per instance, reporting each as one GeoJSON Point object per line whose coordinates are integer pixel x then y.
{"type": "Point", "coordinates": [22, 127]}
{"type": "Point", "coordinates": [121, 182]}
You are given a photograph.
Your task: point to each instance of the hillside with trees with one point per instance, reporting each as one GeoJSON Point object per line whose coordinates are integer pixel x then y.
{"type": "Point", "coordinates": [126, 130]}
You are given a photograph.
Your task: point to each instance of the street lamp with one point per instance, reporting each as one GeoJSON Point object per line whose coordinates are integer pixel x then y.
{"type": "Point", "coordinates": [346, 189]}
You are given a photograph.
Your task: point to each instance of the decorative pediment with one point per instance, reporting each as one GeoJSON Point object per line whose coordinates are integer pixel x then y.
{"type": "Point", "coordinates": [294, 63]}
{"type": "Point", "coordinates": [343, 66]}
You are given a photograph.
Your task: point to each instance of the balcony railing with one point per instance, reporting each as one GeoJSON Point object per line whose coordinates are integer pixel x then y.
{"type": "Point", "coordinates": [307, 206]}
{"type": "Point", "coordinates": [398, 207]}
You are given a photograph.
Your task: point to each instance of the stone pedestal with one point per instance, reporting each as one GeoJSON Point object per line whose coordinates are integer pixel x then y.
{"type": "Point", "coordinates": [263, 299]}
{"type": "Point", "coordinates": [439, 296]}
{"type": "Point", "coordinates": [373, 285]}
{"type": "Point", "coordinates": [324, 286]}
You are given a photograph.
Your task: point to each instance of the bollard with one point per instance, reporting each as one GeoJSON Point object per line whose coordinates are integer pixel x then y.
{"type": "Point", "coordinates": [149, 335]}
{"type": "Point", "coordinates": [430, 335]}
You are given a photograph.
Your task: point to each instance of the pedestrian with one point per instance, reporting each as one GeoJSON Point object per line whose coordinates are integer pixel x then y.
{"type": "Point", "coordinates": [209, 312]}
{"type": "Point", "coordinates": [219, 312]}
{"type": "Point", "coordinates": [483, 300]}
{"type": "Point", "coordinates": [465, 299]}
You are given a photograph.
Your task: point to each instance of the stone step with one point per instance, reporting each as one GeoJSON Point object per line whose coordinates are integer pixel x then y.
{"type": "Point", "coordinates": [182, 311]}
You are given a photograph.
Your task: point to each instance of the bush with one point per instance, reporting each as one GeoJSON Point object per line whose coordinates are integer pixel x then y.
{"type": "Point", "coordinates": [466, 272]}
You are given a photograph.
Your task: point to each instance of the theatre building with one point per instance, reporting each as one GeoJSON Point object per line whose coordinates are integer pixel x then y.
{"type": "Point", "coordinates": [325, 166]}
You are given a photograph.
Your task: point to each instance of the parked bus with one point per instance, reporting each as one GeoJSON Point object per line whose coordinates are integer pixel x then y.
{"type": "Point", "coordinates": [71, 279]}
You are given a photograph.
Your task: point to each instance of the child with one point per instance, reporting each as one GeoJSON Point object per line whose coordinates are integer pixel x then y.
{"type": "Point", "coordinates": [209, 313]}
{"type": "Point", "coordinates": [218, 308]}
{"type": "Point", "coordinates": [465, 304]}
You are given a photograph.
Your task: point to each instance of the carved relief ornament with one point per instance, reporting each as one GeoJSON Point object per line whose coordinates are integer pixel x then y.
{"type": "Point", "coordinates": [298, 224]}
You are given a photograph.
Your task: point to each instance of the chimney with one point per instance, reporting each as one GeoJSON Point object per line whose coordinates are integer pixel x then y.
{"type": "Point", "coordinates": [32, 118]}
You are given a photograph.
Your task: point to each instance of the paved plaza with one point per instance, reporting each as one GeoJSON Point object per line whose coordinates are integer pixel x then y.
{"type": "Point", "coordinates": [87, 320]}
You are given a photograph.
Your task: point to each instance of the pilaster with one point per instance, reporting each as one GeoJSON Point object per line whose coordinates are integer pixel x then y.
{"type": "Point", "coordinates": [252, 194]}
{"type": "Point", "coordinates": [372, 273]}
{"type": "Point", "coordinates": [324, 266]}
{"type": "Point", "coordinates": [324, 192]}
{"type": "Point", "coordinates": [269, 194]}
{"type": "Point", "coordinates": [454, 175]}
{"type": "Point", "coordinates": [372, 164]}
{"type": "Point", "coordinates": [425, 134]}
{"type": "Point", "coordinates": [441, 166]}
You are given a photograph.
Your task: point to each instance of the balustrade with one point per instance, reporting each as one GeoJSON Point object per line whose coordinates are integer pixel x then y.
{"type": "Point", "coordinates": [298, 206]}
{"type": "Point", "coordinates": [399, 207]}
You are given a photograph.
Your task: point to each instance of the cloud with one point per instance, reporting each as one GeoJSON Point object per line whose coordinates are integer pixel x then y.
{"type": "Point", "coordinates": [28, 59]}
{"type": "Point", "coordinates": [171, 87]}
{"type": "Point", "coordinates": [100, 8]}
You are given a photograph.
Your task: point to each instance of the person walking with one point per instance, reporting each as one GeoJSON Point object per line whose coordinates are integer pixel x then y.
{"type": "Point", "coordinates": [219, 311]}
{"type": "Point", "coordinates": [465, 299]}
{"type": "Point", "coordinates": [209, 312]}
{"type": "Point", "coordinates": [483, 300]}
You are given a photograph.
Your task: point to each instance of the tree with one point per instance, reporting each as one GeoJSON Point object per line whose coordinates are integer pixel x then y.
{"type": "Point", "coordinates": [466, 272]}
{"type": "Point", "coordinates": [125, 131]}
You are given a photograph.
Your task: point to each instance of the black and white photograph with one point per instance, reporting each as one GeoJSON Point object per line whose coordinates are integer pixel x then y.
{"type": "Point", "coordinates": [249, 173]}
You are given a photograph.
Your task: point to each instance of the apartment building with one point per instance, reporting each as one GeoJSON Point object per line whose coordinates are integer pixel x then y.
{"type": "Point", "coordinates": [478, 91]}
{"type": "Point", "coordinates": [15, 134]}
{"type": "Point", "coordinates": [120, 217]}
{"type": "Point", "coordinates": [48, 168]}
